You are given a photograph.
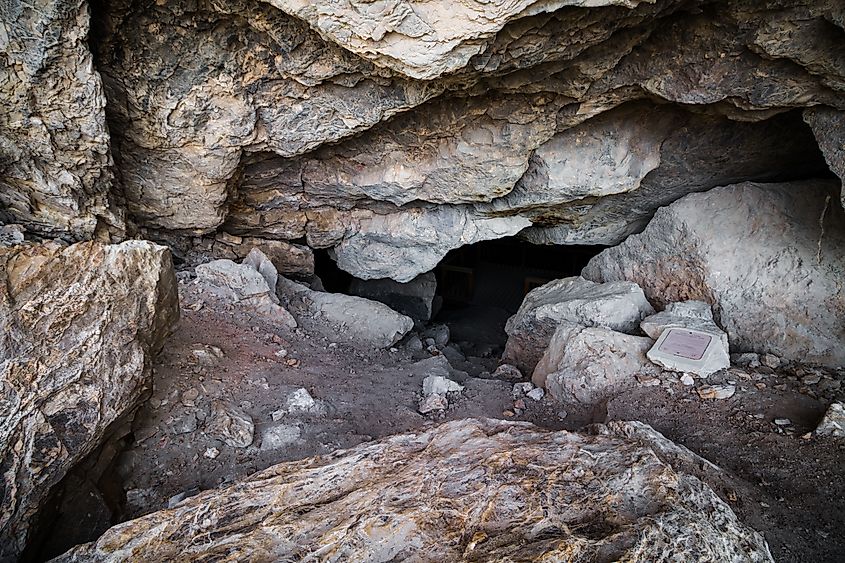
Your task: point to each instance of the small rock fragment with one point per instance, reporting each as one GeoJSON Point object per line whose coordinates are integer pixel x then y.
{"type": "Point", "coordinates": [716, 391]}
{"type": "Point", "coordinates": [833, 423]}
{"type": "Point", "coordinates": [190, 396]}
{"type": "Point", "coordinates": [521, 389]}
{"type": "Point", "coordinates": [687, 380]}
{"type": "Point", "coordinates": [211, 453]}
{"type": "Point", "coordinates": [230, 425]}
{"type": "Point", "coordinates": [300, 401]}
{"type": "Point", "coordinates": [536, 394]}
{"type": "Point", "coordinates": [439, 385]}
{"type": "Point", "coordinates": [782, 422]}
{"type": "Point", "coordinates": [433, 402]}
{"type": "Point", "coordinates": [770, 361]}
{"type": "Point", "coordinates": [507, 372]}
{"type": "Point", "coordinates": [279, 437]}
{"type": "Point", "coordinates": [206, 354]}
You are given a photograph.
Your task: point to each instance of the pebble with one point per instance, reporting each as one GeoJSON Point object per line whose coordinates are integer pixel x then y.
{"type": "Point", "coordinates": [687, 380]}
{"type": "Point", "coordinates": [189, 397]}
{"type": "Point", "coordinates": [536, 394]}
{"type": "Point", "coordinates": [770, 361]}
{"type": "Point", "coordinates": [433, 402]}
{"type": "Point", "coordinates": [508, 414]}
{"type": "Point", "coordinates": [507, 372]}
{"type": "Point", "coordinates": [519, 404]}
{"type": "Point", "coordinates": [520, 389]}
{"type": "Point", "coordinates": [783, 421]}
{"type": "Point", "coordinates": [211, 453]}
{"type": "Point", "coordinates": [281, 353]}
{"type": "Point", "coordinates": [716, 391]}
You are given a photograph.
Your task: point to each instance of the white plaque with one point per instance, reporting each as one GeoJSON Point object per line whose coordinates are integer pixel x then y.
{"type": "Point", "coordinates": [684, 343]}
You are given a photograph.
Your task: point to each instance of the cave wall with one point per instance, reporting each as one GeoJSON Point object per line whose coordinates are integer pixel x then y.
{"type": "Point", "coordinates": [392, 134]}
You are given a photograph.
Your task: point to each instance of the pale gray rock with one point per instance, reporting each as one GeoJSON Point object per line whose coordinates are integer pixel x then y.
{"type": "Point", "coordinates": [55, 161]}
{"type": "Point", "coordinates": [618, 306]}
{"type": "Point", "coordinates": [299, 402]}
{"type": "Point", "coordinates": [716, 391]}
{"type": "Point", "coordinates": [353, 319]}
{"type": "Point", "coordinates": [439, 385]}
{"type": "Point", "coordinates": [833, 423]}
{"type": "Point", "coordinates": [828, 126]}
{"type": "Point", "coordinates": [412, 241]}
{"type": "Point", "coordinates": [748, 249]}
{"type": "Point", "coordinates": [433, 403]}
{"type": "Point", "coordinates": [423, 40]}
{"type": "Point", "coordinates": [80, 327]}
{"type": "Point", "coordinates": [235, 282]}
{"type": "Point", "coordinates": [230, 425]}
{"type": "Point", "coordinates": [589, 364]}
{"type": "Point", "coordinates": [259, 262]}
{"type": "Point", "coordinates": [280, 436]}
{"type": "Point", "coordinates": [395, 499]}
{"type": "Point", "coordinates": [693, 315]}
{"type": "Point", "coordinates": [11, 235]}
{"type": "Point", "coordinates": [414, 298]}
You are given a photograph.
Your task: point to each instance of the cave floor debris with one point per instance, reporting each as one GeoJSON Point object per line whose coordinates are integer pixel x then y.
{"type": "Point", "coordinates": [787, 485]}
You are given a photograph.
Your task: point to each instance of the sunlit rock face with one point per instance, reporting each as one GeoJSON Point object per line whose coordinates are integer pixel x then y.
{"type": "Point", "coordinates": [80, 325]}
{"type": "Point", "coordinates": [474, 489]}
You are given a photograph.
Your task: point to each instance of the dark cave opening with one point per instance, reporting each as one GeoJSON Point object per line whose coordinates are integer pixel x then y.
{"type": "Point", "coordinates": [481, 285]}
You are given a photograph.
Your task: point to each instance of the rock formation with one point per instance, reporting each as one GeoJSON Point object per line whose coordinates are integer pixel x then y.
{"type": "Point", "coordinates": [80, 325]}
{"type": "Point", "coordinates": [768, 257]}
{"type": "Point", "coordinates": [474, 489]}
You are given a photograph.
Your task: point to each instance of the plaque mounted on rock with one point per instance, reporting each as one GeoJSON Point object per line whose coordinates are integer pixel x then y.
{"type": "Point", "coordinates": [688, 350]}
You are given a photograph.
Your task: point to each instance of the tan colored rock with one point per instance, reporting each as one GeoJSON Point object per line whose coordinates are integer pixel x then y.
{"type": "Point", "coordinates": [480, 490]}
{"type": "Point", "coordinates": [80, 326]}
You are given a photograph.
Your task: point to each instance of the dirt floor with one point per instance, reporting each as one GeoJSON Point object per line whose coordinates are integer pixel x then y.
{"type": "Point", "coordinates": [787, 485]}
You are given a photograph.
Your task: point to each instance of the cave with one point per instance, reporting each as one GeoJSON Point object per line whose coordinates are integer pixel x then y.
{"type": "Point", "coordinates": [284, 280]}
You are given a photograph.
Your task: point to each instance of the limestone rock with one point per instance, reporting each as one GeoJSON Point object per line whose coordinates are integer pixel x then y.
{"type": "Point", "coordinates": [828, 126]}
{"type": "Point", "coordinates": [280, 436]}
{"type": "Point", "coordinates": [230, 424]}
{"type": "Point", "coordinates": [414, 298]}
{"type": "Point", "coordinates": [80, 326]}
{"type": "Point", "coordinates": [353, 319]}
{"type": "Point", "coordinates": [747, 249]}
{"type": "Point", "coordinates": [428, 496]}
{"type": "Point", "coordinates": [588, 365]}
{"type": "Point", "coordinates": [439, 385]}
{"type": "Point", "coordinates": [833, 423]}
{"type": "Point", "coordinates": [55, 161]}
{"type": "Point", "coordinates": [299, 402]}
{"type": "Point", "coordinates": [411, 241]}
{"type": "Point", "coordinates": [692, 315]}
{"type": "Point", "coordinates": [716, 391]}
{"type": "Point", "coordinates": [433, 403]}
{"type": "Point", "coordinates": [244, 284]}
{"type": "Point", "coordinates": [618, 306]}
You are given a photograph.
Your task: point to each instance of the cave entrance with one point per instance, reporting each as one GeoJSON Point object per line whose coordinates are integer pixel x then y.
{"type": "Point", "coordinates": [481, 285]}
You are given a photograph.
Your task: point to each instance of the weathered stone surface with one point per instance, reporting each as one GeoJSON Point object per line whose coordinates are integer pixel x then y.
{"type": "Point", "coordinates": [230, 425]}
{"type": "Point", "coordinates": [749, 250]}
{"type": "Point", "coordinates": [447, 493]}
{"type": "Point", "coordinates": [258, 80]}
{"type": "Point", "coordinates": [55, 164]}
{"type": "Point", "coordinates": [617, 306]}
{"type": "Point", "coordinates": [414, 298]}
{"type": "Point", "coordinates": [412, 241]}
{"type": "Point", "coordinates": [692, 315]}
{"type": "Point", "coordinates": [588, 365]}
{"type": "Point", "coordinates": [828, 126]}
{"type": "Point", "coordinates": [80, 325]}
{"type": "Point", "coordinates": [349, 318]}
{"type": "Point", "coordinates": [833, 423]}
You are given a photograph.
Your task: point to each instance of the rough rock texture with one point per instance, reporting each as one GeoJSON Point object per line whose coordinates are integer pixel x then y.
{"type": "Point", "coordinates": [80, 325]}
{"type": "Point", "coordinates": [465, 490]}
{"type": "Point", "coordinates": [833, 423]}
{"type": "Point", "coordinates": [414, 298]}
{"type": "Point", "coordinates": [618, 306]}
{"type": "Point", "coordinates": [353, 319]}
{"type": "Point", "coordinates": [588, 365]}
{"type": "Point", "coordinates": [55, 164]}
{"type": "Point", "coordinates": [828, 126]}
{"type": "Point", "coordinates": [767, 257]}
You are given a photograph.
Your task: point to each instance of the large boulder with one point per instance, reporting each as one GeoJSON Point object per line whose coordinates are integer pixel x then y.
{"type": "Point", "coordinates": [80, 325]}
{"type": "Point", "coordinates": [479, 490]}
{"type": "Point", "coordinates": [617, 306]}
{"type": "Point", "coordinates": [346, 317]}
{"type": "Point", "coordinates": [767, 257]}
{"type": "Point", "coordinates": [588, 365]}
